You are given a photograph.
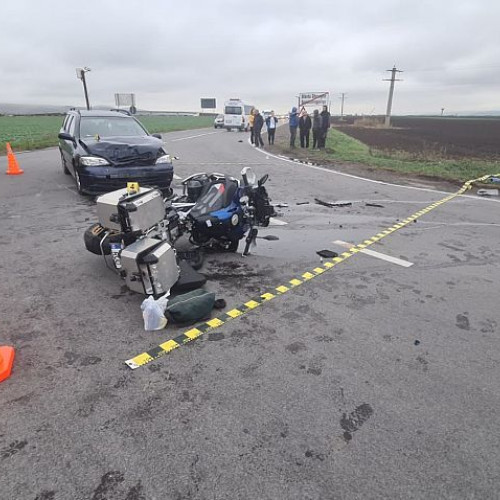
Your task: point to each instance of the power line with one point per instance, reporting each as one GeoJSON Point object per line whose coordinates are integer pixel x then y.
{"type": "Point", "coordinates": [444, 69]}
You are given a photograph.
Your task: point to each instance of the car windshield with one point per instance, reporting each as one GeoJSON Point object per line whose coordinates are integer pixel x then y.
{"type": "Point", "coordinates": [233, 110]}
{"type": "Point", "coordinates": [109, 126]}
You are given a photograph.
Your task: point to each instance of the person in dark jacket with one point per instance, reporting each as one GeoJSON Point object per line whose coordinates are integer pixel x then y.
{"type": "Point", "coordinates": [293, 123]}
{"type": "Point", "coordinates": [271, 122]}
{"type": "Point", "coordinates": [258, 123]}
{"type": "Point", "coordinates": [325, 125]}
{"type": "Point", "coordinates": [305, 128]}
{"type": "Point", "coordinates": [316, 128]}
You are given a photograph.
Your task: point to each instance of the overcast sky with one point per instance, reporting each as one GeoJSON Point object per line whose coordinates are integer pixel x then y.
{"type": "Point", "coordinates": [171, 53]}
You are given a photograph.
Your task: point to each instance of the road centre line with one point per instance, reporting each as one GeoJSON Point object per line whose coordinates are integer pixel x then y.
{"type": "Point", "coordinates": [378, 255]}
{"type": "Point", "coordinates": [207, 326]}
{"type": "Point", "coordinates": [193, 136]}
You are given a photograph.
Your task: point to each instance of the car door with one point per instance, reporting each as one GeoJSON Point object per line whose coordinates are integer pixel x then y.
{"type": "Point", "coordinates": [67, 146]}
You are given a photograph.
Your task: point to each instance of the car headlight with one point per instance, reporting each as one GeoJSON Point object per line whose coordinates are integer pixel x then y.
{"type": "Point", "coordinates": [93, 161]}
{"type": "Point", "coordinates": [164, 159]}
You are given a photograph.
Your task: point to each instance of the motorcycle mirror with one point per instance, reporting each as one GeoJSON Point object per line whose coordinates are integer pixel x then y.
{"type": "Point", "coordinates": [249, 177]}
{"type": "Point", "coordinates": [263, 180]}
{"type": "Point", "coordinates": [244, 200]}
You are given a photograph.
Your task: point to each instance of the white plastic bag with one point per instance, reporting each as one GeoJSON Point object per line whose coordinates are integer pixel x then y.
{"type": "Point", "coordinates": [153, 312]}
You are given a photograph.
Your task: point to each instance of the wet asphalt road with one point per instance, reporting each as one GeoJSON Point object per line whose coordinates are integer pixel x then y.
{"type": "Point", "coordinates": [371, 381]}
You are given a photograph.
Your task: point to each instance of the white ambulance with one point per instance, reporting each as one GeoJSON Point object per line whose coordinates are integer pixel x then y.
{"type": "Point", "coordinates": [236, 115]}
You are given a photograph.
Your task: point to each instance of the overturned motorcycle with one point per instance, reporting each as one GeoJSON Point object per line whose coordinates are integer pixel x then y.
{"type": "Point", "coordinates": [140, 229]}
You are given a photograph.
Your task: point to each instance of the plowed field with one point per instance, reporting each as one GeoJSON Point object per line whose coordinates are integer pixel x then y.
{"type": "Point", "coordinates": [456, 138]}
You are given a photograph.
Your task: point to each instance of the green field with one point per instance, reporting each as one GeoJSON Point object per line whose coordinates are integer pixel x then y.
{"type": "Point", "coordinates": [35, 132]}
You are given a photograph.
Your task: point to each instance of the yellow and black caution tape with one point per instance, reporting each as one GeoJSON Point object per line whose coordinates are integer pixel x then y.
{"type": "Point", "coordinates": [250, 305]}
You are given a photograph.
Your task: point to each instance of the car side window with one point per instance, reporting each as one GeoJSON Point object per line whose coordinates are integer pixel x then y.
{"type": "Point", "coordinates": [65, 123]}
{"type": "Point", "coordinates": [71, 126]}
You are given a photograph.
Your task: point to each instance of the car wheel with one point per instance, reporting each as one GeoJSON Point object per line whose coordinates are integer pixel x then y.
{"type": "Point", "coordinates": [78, 182]}
{"type": "Point", "coordinates": [63, 163]}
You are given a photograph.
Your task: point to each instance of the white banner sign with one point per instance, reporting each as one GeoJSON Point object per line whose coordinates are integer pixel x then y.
{"type": "Point", "coordinates": [314, 98]}
{"type": "Point", "coordinates": [124, 100]}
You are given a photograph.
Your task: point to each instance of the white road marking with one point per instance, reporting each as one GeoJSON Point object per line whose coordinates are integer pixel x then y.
{"type": "Point", "coordinates": [193, 136]}
{"type": "Point", "coordinates": [378, 255]}
{"type": "Point", "coordinates": [212, 163]}
{"type": "Point", "coordinates": [277, 222]}
{"type": "Point", "coordinates": [336, 172]}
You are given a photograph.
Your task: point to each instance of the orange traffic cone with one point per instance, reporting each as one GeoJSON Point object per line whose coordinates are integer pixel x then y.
{"type": "Point", "coordinates": [6, 361]}
{"type": "Point", "coordinates": [12, 166]}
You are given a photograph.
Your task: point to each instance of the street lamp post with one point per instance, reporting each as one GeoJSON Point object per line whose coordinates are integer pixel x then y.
{"type": "Point", "coordinates": [80, 73]}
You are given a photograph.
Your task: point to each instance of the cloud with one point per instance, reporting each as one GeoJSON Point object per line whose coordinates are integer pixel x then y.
{"type": "Point", "coordinates": [266, 52]}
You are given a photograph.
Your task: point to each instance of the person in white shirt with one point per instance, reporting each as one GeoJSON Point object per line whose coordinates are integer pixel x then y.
{"type": "Point", "coordinates": [271, 122]}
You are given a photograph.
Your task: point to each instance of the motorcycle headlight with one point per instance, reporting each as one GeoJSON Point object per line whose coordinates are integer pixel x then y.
{"type": "Point", "coordinates": [235, 219]}
{"type": "Point", "coordinates": [93, 161]}
{"type": "Point", "coordinates": [164, 159]}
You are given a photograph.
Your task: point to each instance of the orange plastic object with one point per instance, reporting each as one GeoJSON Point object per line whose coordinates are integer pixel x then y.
{"type": "Point", "coordinates": [12, 165]}
{"type": "Point", "coordinates": [6, 361]}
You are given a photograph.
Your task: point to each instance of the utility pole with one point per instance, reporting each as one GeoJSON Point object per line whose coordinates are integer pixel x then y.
{"type": "Point", "coordinates": [391, 93]}
{"type": "Point", "coordinates": [442, 111]}
{"type": "Point", "coordinates": [342, 104]}
{"type": "Point", "coordinates": [80, 73]}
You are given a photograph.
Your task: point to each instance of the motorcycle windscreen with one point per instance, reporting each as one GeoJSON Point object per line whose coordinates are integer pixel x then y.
{"type": "Point", "coordinates": [218, 196]}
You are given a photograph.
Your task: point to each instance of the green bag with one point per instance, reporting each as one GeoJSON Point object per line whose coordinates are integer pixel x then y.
{"type": "Point", "coordinates": [190, 307]}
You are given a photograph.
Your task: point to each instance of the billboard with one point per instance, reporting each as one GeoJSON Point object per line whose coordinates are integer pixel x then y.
{"type": "Point", "coordinates": [208, 103]}
{"type": "Point", "coordinates": [124, 100]}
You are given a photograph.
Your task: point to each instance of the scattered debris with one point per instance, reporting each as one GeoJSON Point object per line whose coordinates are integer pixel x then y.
{"type": "Point", "coordinates": [190, 307]}
{"type": "Point", "coordinates": [327, 254]}
{"type": "Point", "coordinates": [269, 237]}
{"type": "Point", "coordinates": [374, 205]}
{"type": "Point", "coordinates": [332, 204]}
{"type": "Point", "coordinates": [280, 205]}
{"type": "Point", "coordinates": [153, 313]}
{"type": "Point", "coordinates": [302, 203]}
{"type": "Point", "coordinates": [495, 180]}
{"type": "Point", "coordinates": [240, 140]}
{"type": "Point", "coordinates": [189, 278]}
{"type": "Point", "coordinates": [219, 304]}
{"type": "Point", "coordinates": [417, 342]}
{"type": "Point", "coordinates": [488, 192]}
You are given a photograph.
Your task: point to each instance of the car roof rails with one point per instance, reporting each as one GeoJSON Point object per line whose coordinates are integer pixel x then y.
{"type": "Point", "coordinates": [124, 111]}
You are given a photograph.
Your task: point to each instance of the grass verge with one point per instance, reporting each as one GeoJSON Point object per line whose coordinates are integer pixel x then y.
{"type": "Point", "coordinates": [36, 132]}
{"type": "Point", "coordinates": [343, 148]}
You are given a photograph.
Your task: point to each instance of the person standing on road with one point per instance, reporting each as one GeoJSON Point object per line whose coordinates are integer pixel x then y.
{"type": "Point", "coordinates": [271, 122]}
{"type": "Point", "coordinates": [293, 123]}
{"type": "Point", "coordinates": [258, 123]}
{"type": "Point", "coordinates": [316, 128]}
{"type": "Point", "coordinates": [251, 120]}
{"type": "Point", "coordinates": [325, 125]}
{"type": "Point", "coordinates": [305, 128]}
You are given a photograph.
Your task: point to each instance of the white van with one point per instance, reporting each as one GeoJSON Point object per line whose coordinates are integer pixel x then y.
{"type": "Point", "coordinates": [236, 115]}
